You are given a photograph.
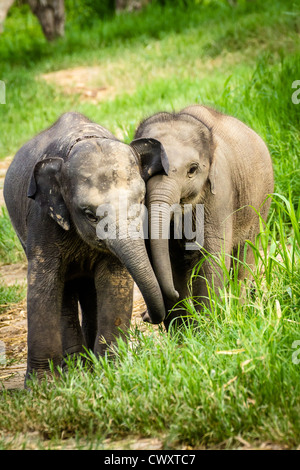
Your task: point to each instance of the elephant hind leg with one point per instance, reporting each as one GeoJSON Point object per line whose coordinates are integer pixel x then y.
{"type": "Point", "coordinates": [72, 338]}
{"type": "Point", "coordinates": [177, 314]}
{"type": "Point", "coordinates": [88, 305]}
{"type": "Point", "coordinates": [244, 259]}
{"type": "Point", "coordinates": [79, 317]}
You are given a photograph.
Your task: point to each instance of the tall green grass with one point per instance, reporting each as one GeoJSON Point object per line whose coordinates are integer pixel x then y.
{"type": "Point", "coordinates": [10, 252]}
{"type": "Point", "coordinates": [275, 274]}
{"type": "Point", "coordinates": [10, 295]}
{"type": "Point", "coordinates": [10, 248]}
{"type": "Point", "coordinates": [233, 374]}
{"type": "Point", "coordinates": [264, 102]}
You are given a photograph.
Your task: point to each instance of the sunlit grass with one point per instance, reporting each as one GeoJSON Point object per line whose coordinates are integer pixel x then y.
{"type": "Point", "coordinates": [10, 247]}
{"type": "Point", "coordinates": [230, 373]}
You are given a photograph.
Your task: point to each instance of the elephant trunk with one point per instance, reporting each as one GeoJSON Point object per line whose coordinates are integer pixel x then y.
{"type": "Point", "coordinates": [133, 254]}
{"type": "Point", "coordinates": [162, 193]}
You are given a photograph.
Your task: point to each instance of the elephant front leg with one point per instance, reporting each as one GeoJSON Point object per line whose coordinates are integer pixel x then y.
{"type": "Point", "coordinates": [44, 299]}
{"type": "Point", "coordinates": [177, 313]}
{"type": "Point", "coordinates": [212, 276]}
{"type": "Point", "coordinates": [114, 304]}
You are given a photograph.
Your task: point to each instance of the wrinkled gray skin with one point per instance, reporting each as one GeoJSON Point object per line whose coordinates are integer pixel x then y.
{"type": "Point", "coordinates": [214, 160]}
{"type": "Point", "coordinates": [52, 191]}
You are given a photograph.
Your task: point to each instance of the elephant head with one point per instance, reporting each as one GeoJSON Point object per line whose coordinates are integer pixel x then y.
{"type": "Point", "coordinates": [187, 144]}
{"type": "Point", "coordinates": [101, 173]}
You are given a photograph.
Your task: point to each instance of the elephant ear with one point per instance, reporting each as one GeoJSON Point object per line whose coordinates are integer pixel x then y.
{"type": "Point", "coordinates": [213, 171]}
{"type": "Point", "coordinates": [212, 177]}
{"type": "Point", "coordinates": [45, 189]}
{"type": "Point", "coordinates": [152, 157]}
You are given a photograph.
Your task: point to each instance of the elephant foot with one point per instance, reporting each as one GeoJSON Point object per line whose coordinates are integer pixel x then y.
{"type": "Point", "coordinates": [38, 375]}
{"type": "Point", "coordinates": [73, 358]}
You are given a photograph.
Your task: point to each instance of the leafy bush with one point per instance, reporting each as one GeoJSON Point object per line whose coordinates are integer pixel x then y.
{"type": "Point", "coordinates": [10, 247]}
{"type": "Point", "coordinates": [85, 13]}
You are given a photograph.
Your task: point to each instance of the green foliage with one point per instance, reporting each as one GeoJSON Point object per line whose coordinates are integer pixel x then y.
{"type": "Point", "coordinates": [233, 371]}
{"type": "Point", "coordinates": [10, 252]}
{"type": "Point", "coordinates": [10, 295]}
{"type": "Point", "coordinates": [10, 247]}
{"type": "Point", "coordinates": [264, 102]}
{"type": "Point", "coordinates": [85, 13]}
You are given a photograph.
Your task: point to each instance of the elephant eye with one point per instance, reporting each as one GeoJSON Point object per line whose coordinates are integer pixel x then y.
{"type": "Point", "coordinates": [192, 170]}
{"type": "Point", "coordinates": [91, 216]}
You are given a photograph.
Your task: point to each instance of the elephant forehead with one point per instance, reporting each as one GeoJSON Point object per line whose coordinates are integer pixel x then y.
{"type": "Point", "coordinates": [170, 131]}
{"type": "Point", "coordinates": [106, 187]}
{"type": "Point", "coordinates": [180, 152]}
{"type": "Point", "coordinates": [95, 177]}
{"type": "Point", "coordinates": [105, 176]}
{"type": "Point", "coordinates": [116, 196]}
{"type": "Point", "coordinates": [180, 156]}
{"type": "Point", "coordinates": [109, 177]}
{"type": "Point", "coordinates": [95, 172]}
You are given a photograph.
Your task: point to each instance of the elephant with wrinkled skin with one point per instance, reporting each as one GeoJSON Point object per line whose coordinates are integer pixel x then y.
{"type": "Point", "coordinates": [217, 161]}
{"type": "Point", "coordinates": [52, 191]}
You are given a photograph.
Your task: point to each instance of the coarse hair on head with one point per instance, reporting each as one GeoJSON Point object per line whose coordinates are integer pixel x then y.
{"type": "Point", "coordinates": [202, 137]}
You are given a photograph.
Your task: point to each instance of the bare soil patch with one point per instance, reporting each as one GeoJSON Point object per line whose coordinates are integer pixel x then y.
{"type": "Point", "coordinates": [83, 81]}
{"type": "Point", "coordinates": [13, 332]}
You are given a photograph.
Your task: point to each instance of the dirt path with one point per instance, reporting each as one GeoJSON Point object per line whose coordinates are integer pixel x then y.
{"type": "Point", "coordinates": [4, 164]}
{"type": "Point", "coordinates": [83, 81]}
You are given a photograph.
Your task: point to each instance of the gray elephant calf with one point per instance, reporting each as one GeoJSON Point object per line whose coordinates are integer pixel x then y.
{"type": "Point", "coordinates": [216, 161]}
{"type": "Point", "coordinates": [53, 189]}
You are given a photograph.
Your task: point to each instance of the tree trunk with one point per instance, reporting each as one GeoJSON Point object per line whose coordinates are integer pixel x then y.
{"type": "Point", "coordinates": [4, 7]}
{"type": "Point", "coordinates": [51, 15]}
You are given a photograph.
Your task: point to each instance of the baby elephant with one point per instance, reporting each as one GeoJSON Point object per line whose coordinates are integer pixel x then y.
{"type": "Point", "coordinates": [220, 171]}
{"type": "Point", "coordinates": [53, 191]}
